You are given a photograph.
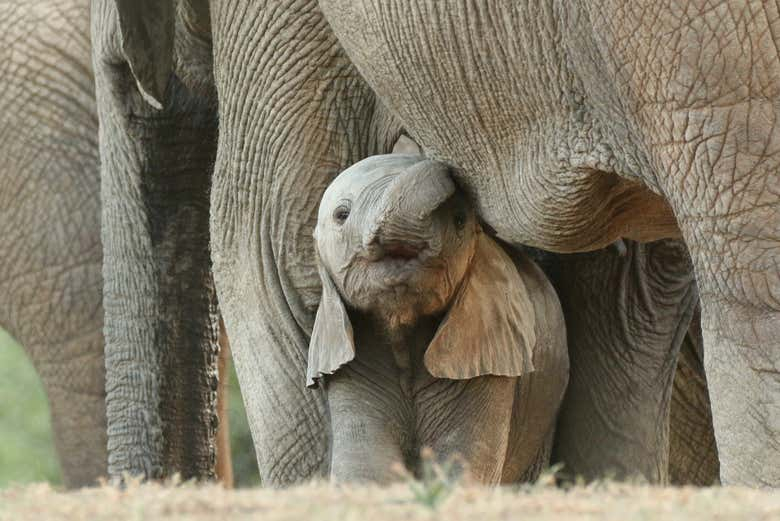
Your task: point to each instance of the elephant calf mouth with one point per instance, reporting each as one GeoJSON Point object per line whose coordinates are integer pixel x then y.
{"type": "Point", "coordinates": [396, 252]}
{"type": "Point", "coordinates": [400, 251]}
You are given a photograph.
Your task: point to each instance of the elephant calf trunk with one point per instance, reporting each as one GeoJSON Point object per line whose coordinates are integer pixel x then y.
{"type": "Point", "coordinates": [402, 224]}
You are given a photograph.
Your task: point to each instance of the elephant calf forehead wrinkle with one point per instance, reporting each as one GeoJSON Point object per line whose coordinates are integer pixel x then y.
{"type": "Point", "coordinates": [360, 175]}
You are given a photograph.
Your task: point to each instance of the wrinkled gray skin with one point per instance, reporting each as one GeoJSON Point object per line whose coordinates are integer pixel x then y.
{"type": "Point", "coordinates": [423, 329]}
{"type": "Point", "coordinates": [576, 123]}
{"type": "Point", "coordinates": [615, 419]}
{"type": "Point", "coordinates": [161, 318]}
{"type": "Point", "coordinates": [50, 253]}
{"type": "Point", "coordinates": [570, 124]}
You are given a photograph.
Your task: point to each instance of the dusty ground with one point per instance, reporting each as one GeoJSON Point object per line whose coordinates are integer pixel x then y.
{"type": "Point", "coordinates": [324, 503]}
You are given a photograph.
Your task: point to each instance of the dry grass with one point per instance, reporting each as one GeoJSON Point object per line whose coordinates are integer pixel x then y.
{"type": "Point", "coordinates": [325, 503]}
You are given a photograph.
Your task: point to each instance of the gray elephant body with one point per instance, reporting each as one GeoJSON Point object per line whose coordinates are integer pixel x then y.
{"type": "Point", "coordinates": [576, 123]}
{"type": "Point", "coordinates": [382, 415]}
{"type": "Point", "coordinates": [50, 252]}
{"type": "Point", "coordinates": [565, 132]}
{"type": "Point", "coordinates": [428, 334]}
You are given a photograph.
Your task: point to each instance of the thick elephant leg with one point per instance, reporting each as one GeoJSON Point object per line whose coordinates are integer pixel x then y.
{"type": "Point", "coordinates": [740, 293]}
{"type": "Point", "coordinates": [50, 252]}
{"type": "Point", "coordinates": [626, 315]}
{"type": "Point", "coordinates": [77, 400]}
{"type": "Point", "coordinates": [693, 455]}
{"type": "Point", "coordinates": [161, 323]}
{"type": "Point", "coordinates": [66, 348]}
{"type": "Point", "coordinates": [294, 112]}
{"type": "Point", "coordinates": [705, 109]}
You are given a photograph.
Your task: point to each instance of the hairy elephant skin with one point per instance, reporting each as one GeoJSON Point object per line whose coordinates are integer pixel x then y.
{"type": "Point", "coordinates": [577, 123]}
{"type": "Point", "coordinates": [50, 252]}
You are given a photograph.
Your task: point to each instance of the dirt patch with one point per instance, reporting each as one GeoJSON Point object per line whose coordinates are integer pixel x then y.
{"type": "Point", "coordinates": [326, 503]}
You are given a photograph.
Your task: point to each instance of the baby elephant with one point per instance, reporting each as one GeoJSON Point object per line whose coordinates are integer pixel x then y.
{"type": "Point", "coordinates": [428, 333]}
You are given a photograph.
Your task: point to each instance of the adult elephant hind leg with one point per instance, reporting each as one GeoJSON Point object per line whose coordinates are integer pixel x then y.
{"type": "Point", "coordinates": [705, 107]}
{"type": "Point", "coordinates": [294, 112]}
{"type": "Point", "coordinates": [50, 251]}
{"type": "Point", "coordinates": [73, 374]}
{"type": "Point", "coordinates": [723, 184]}
{"type": "Point", "coordinates": [626, 315]}
{"type": "Point", "coordinates": [61, 330]}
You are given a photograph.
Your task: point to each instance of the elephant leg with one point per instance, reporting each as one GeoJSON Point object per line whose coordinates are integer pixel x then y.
{"type": "Point", "coordinates": [75, 388]}
{"type": "Point", "coordinates": [693, 455]}
{"type": "Point", "coordinates": [50, 252]}
{"type": "Point", "coordinates": [706, 116]}
{"type": "Point", "coordinates": [468, 422]}
{"type": "Point", "coordinates": [739, 281]}
{"type": "Point", "coordinates": [161, 321]}
{"type": "Point", "coordinates": [371, 424]}
{"type": "Point", "coordinates": [60, 327]}
{"type": "Point", "coordinates": [294, 112]}
{"type": "Point", "coordinates": [626, 315]}
{"type": "Point", "coordinates": [729, 214]}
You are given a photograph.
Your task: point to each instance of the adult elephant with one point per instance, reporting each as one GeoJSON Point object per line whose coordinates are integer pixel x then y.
{"type": "Point", "coordinates": [50, 247]}
{"type": "Point", "coordinates": [50, 254]}
{"type": "Point", "coordinates": [574, 124]}
{"type": "Point", "coordinates": [693, 454]}
{"type": "Point", "coordinates": [567, 124]}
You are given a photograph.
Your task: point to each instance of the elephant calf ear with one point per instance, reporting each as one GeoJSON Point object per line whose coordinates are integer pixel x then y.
{"type": "Point", "coordinates": [147, 31]}
{"type": "Point", "coordinates": [490, 326]}
{"type": "Point", "coordinates": [332, 342]}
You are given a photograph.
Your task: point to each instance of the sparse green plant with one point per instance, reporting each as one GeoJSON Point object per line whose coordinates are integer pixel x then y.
{"type": "Point", "coordinates": [436, 481]}
{"type": "Point", "coordinates": [549, 477]}
{"type": "Point", "coordinates": [552, 476]}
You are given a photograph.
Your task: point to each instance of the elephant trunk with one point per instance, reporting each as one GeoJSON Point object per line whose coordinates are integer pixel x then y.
{"type": "Point", "coordinates": [403, 219]}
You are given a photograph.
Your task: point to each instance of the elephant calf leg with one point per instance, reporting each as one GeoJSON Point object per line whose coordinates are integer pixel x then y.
{"type": "Point", "coordinates": [370, 426]}
{"type": "Point", "coordinates": [468, 420]}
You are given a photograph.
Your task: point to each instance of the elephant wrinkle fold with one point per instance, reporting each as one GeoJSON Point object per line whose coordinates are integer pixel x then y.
{"type": "Point", "coordinates": [428, 334]}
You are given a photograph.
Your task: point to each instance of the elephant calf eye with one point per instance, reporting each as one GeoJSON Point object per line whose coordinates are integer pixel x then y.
{"type": "Point", "coordinates": [340, 214]}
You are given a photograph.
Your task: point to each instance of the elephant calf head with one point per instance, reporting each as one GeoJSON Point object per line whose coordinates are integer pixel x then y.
{"type": "Point", "coordinates": [398, 240]}
{"type": "Point", "coordinates": [403, 259]}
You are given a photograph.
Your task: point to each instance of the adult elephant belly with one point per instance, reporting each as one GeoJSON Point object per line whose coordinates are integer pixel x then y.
{"type": "Point", "coordinates": [489, 91]}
